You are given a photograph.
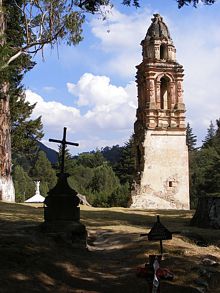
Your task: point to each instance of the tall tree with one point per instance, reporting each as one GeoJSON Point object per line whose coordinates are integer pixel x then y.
{"type": "Point", "coordinates": [69, 162]}
{"type": "Point", "coordinates": [211, 132]}
{"type": "Point", "coordinates": [205, 167]}
{"type": "Point", "coordinates": [190, 138]}
{"type": "Point", "coordinates": [103, 184]}
{"type": "Point", "coordinates": [24, 185]}
{"type": "Point", "coordinates": [124, 169]}
{"type": "Point", "coordinates": [44, 172]}
{"type": "Point", "coordinates": [6, 184]}
{"type": "Point", "coordinates": [15, 111]}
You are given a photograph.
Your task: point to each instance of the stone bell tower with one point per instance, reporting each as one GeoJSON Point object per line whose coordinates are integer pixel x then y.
{"type": "Point", "coordinates": [160, 134]}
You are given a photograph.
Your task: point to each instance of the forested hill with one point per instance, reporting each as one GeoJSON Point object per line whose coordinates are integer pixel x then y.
{"type": "Point", "coordinates": [112, 154]}
{"type": "Point", "coordinates": [51, 154]}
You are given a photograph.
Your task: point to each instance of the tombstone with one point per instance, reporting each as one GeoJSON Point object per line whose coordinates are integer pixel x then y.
{"type": "Point", "coordinates": [61, 211]}
{"type": "Point", "coordinates": [207, 213]}
{"type": "Point", "coordinates": [37, 197]}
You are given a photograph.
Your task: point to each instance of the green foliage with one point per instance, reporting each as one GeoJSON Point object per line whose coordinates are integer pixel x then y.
{"type": "Point", "coordinates": [24, 131]}
{"type": "Point", "coordinates": [124, 169]}
{"type": "Point", "coordinates": [205, 167]}
{"type": "Point", "coordinates": [120, 197]}
{"type": "Point", "coordinates": [181, 3]}
{"type": "Point", "coordinates": [46, 22]}
{"type": "Point", "coordinates": [91, 160]}
{"type": "Point", "coordinates": [195, 3]}
{"type": "Point", "coordinates": [69, 162]}
{"type": "Point", "coordinates": [94, 177]}
{"type": "Point", "coordinates": [190, 138]}
{"type": "Point", "coordinates": [44, 188]}
{"type": "Point", "coordinates": [54, 21]}
{"type": "Point", "coordinates": [104, 180]}
{"type": "Point", "coordinates": [211, 132]}
{"type": "Point", "coordinates": [43, 171]}
{"type": "Point", "coordinates": [112, 154]}
{"type": "Point", "coordinates": [80, 179]}
{"type": "Point", "coordinates": [24, 185]}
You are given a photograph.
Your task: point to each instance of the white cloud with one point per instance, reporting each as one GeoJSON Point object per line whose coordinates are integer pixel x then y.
{"type": "Point", "coordinates": [121, 35]}
{"type": "Point", "coordinates": [48, 89]}
{"type": "Point", "coordinates": [97, 91]}
{"type": "Point", "coordinates": [54, 115]}
{"type": "Point", "coordinates": [198, 50]}
{"type": "Point", "coordinates": [104, 112]}
{"type": "Point", "coordinates": [109, 107]}
{"type": "Point", "coordinates": [104, 115]}
{"type": "Point", "coordinates": [120, 30]}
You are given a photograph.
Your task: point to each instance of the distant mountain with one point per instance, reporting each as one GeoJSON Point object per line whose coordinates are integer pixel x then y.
{"type": "Point", "coordinates": [51, 154]}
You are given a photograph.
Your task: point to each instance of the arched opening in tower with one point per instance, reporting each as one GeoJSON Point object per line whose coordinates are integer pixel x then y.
{"type": "Point", "coordinates": [163, 51]}
{"type": "Point", "coordinates": [164, 93]}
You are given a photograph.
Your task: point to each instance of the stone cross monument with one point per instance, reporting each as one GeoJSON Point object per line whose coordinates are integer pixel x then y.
{"type": "Point", "coordinates": [61, 211]}
{"type": "Point", "coordinates": [160, 133]}
{"type": "Point", "coordinates": [63, 143]}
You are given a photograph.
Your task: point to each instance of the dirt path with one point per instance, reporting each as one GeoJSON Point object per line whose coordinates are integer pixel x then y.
{"type": "Point", "coordinates": [32, 262]}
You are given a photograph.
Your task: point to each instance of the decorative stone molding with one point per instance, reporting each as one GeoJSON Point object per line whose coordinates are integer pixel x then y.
{"type": "Point", "coordinates": [160, 137]}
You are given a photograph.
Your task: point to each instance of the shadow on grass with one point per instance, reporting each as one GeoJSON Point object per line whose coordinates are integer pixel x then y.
{"type": "Point", "coordinates": [33, 262]}
{"type": "Point", "coordinates": [132, 218]}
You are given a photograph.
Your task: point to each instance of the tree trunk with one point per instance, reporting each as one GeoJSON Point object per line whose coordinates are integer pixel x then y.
{"type": "Point", "coordinates": [207, 214]}
{"type": "Point", "coordinates": [6, 184]}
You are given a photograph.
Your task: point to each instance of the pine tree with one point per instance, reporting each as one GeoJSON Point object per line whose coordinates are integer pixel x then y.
{"type": "Point", "coordinates": [24, 131]}
{"type": "Point", "coordinates": [24, 185]}
{"type": "Point", "coordinates": [124, 169]}
{"type": "Point", "coordinates": [69, 162]}
{"type": "Point", "coordinates": [15, 123]}
{"type": "Point", "coordinates": [102, 185]}
{"type": "Point", "coordinates": [211, 132]}
{"type": "Point", "coordinates": [43, 172]}
{"type": "Point", "coordinates": [190, 138]}
{"type": "Point", "coordinates": [80, 179]}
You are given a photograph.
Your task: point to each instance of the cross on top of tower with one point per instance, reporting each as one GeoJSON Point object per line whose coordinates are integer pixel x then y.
{"type": "Point", "coordinates": [63, 143]}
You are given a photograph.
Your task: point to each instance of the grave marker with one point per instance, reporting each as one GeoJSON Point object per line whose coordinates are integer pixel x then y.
{"type": "Point", "coordinates": [159, 232]}
{"type": "Point", "coordinates": [61, 211]}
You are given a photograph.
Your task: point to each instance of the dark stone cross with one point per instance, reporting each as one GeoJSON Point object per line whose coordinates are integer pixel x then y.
{"type": "Point", "coordinates": [62, 201]}
{"type": "Point", "coordinates": [61, 206]}
{"type": "Point", "coordinates": [63, 142]}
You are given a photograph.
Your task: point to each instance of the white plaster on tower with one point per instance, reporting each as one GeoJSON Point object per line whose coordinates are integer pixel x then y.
{"type": "Point", "coordinates": [162, 175]}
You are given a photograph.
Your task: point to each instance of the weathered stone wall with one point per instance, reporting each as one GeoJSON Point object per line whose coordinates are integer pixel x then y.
{"type": "Point", "coordinates": [163, 182]}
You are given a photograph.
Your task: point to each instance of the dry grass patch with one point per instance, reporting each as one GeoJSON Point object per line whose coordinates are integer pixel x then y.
{"type": "Point", "coordinates": [33, 262]}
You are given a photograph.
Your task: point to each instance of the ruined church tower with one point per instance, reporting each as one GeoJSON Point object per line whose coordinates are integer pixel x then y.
{"type": "Point", "coordinates": [160, 133]}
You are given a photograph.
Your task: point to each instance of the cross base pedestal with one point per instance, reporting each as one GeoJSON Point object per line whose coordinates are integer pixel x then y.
{"type": "Point", "coordinates": [71, 232]}
{"type": "Point", "coordinates": [61, 210]}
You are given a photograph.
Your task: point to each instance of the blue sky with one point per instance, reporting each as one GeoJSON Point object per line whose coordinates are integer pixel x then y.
{"type": "Point", "coordinates": [90, 88]}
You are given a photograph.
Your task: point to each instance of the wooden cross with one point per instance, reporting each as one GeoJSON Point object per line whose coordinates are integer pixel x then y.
{"type": "Point", "coordinates": [63, 143]}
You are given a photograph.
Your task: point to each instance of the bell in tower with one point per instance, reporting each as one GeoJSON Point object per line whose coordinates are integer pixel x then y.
{"type": "Point", "coordinates": [162, 175]}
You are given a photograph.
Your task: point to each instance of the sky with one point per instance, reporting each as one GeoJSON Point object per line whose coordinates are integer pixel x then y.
{"type": "Point", "coordinates": [90, 88]}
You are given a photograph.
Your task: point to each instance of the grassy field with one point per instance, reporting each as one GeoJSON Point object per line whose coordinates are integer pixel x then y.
{"type": "Point", "coordinates": [33, 262]}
